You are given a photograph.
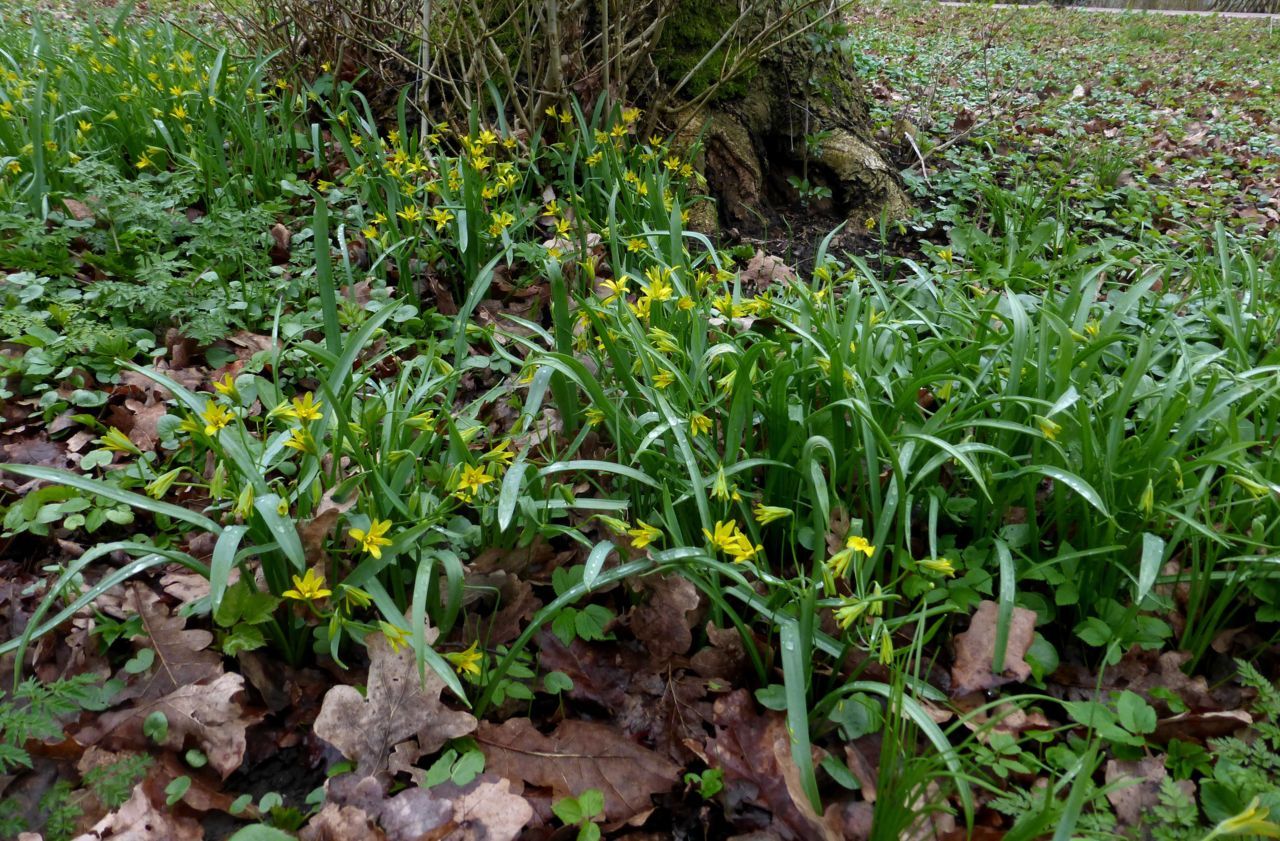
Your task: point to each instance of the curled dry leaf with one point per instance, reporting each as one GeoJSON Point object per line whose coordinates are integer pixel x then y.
{"type": "Point", "coordinates": [975, 650]}
{"type": "Point", "coordinates": [577, 756]}
{"type": "Point", "coordinates": [140, 820]}
{"type": "Point", "coordinates": [396, 706]}
{"type": "Point", "coordinates": [205, 715]}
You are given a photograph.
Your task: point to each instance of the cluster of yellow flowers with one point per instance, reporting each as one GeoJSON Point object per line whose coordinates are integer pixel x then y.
{"type": "Point", "coordinates": [727, 537]}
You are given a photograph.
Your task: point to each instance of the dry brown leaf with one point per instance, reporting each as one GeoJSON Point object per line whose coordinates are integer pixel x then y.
{"type": "Point", "coordinates": [579, 755]}
{"type": "Point", "coordinates": [1139, 787]}
{"type": "Point", "coordinates": [396, 706]}
{"type": "Point", "coordinates": [315, 531]}
{"type": "Point", "coordinates": [144, 429]}
{"type": "Point", "coordinates": [975, 649]}
{"type": "Point", "coordinates": [754, 751]}
{"type": "Point", "coordinates": [182, 658]}
{"type": "Point", "coordinates": [763, 270]}
{"type": "Point", "coordinates": [281, 238]}
{"type": "Point", "coordinates": [483, 810]}
{"type": "Point", "coordinates": [341, 823]}
{"type": "Point", "coordinates": [660, 708]}
{"type": "Point", "coordinates": [1201, 726]}
{"type": "Point", "coordinates": [206, 714]}
{"type": "Point", "coordinates": [664, 623]}
{"type": "Point", "coordinates": [139, 820]}
{"type": "Point", "coordinates": [489, 812]}
{"type": "Point", "coordinates": [724, 657]}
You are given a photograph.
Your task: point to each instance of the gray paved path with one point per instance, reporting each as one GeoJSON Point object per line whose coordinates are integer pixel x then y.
{"type": "Point", "coordinates": [1245, 15]}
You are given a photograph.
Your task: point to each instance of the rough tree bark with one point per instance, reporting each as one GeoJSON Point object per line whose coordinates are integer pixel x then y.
{"type": "Point", "coordinates": [754, 140]}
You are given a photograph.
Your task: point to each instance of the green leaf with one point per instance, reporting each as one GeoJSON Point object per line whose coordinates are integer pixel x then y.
{"type": "Point", "coordinates": [141, 661]}
{"type": "Point", "coordinates": [176, 788]}
{"type": "Point", "coordinates": [1149, 565]}
{"type": "Point", "coordinates": [1135, 714]}
{"type": "Point", "coordinates": [260, 831]}
{"type": "Point", "coordinates": [109, 491]}
{"type": "Point", "coordinates": [568, 811]}
{"type": "Point", "coordinates": [557, 682]}
{"type": "Point", "coordinates": [156, 726]}
{"type": "Point", "coordinates": [591, 802]}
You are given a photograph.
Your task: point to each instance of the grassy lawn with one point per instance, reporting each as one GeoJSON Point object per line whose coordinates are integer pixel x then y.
{"type": "Point", "coordinates": [358, 469]}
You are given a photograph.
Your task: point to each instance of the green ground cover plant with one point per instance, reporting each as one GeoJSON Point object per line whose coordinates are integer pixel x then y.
{"type": "Point", "coordinates": [968, 501]}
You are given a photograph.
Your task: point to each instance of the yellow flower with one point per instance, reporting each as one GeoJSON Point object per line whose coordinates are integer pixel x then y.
{"type": "Point", "coordinates": [301, 440]}
{"type": "Point", "coordinates": [617, 289]}
{"type": "Point", "coordinates": [594, 158]}
{"type": "Point", "coordinates": [941, 566]}
{"type": "Point", "coordinates": [860, 544]}
{"type": "Point", "coordinates": [849, 611]}
{"type": "Point", "coordinates": [117, 442]}
{"type": "Point", "coordinates": [698, 424]}
{"type": "Point", "coordinates": [142, 163]}
{"type": "Point", "coordinates": [215, 417]}
{"type": "Point", "coordinates": [1254, 820]}
{"type": "Point", "coordinates": [159, 486]}
{"type": "Point", "coordinates": [441, 216]}
{"type": "Point", "coordinates": [499, 222]}
{"type": "Point", "coordinates": [724, 535]}
{"type": "Point", "coordinates": [886, 648]}
{"type": "Point", "coordinates": [227, 386]}
{"type": "Point", "coordinates": [467, 662]}
{"type": "Point", "coordinates": [471, 481]}
{"type": "Point", "coordinates": [663, 341]}
{"type": "Point", "coordinates": [1048, 428]}
{"type": "Point", "coordinates": [308, 588]}
{"type": "Point", "coordinates": [766, 514]}
{"type": "Point", "coordinates": [500, 454]}
{"type": "Point", "coordinates": [663, 378]}
{"type": "Point", "coordinates": [722, 490]}
{"type": "Point", "coordinates": [372, 540]}
{"type": "Point", "coordinates": [643, 534]}
{"type": "Point", "coordinates": [630, 115]}
{"type": "Point", "coordinates": [410, 214]}
{"type": "Point", "coordinates": [595, 416]}
{"type": "Point", "coordinates": [395, 636]}
{"type": "Point", "coordinates": [635, 244]}
{"type": "Point", "coordinates": [839, 563]}
{"type": "Point", "coordinates": [659, 288]}
{"type": "Point", "coordinates": [307, 408]}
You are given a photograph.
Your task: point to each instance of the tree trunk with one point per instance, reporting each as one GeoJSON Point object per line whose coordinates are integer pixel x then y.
{"type": "Point", "coordinates": [756, 140]}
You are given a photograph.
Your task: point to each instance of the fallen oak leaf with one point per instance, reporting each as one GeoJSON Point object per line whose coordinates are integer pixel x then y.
{"type": "Point", "coordinates": [206, 713]}
{"type": "Point", "coordinates": [181, 655]}
{"type": "Point", "coordinates": [577, 756]}
{"type": "Point", "coordinates": [139, 820]}
{"type": "Point", "coordinates": [397, 705]}
{"type": "Point", "coordinates": [975, 650]}
{"type": "Point", "coordinates": [341, 823]}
